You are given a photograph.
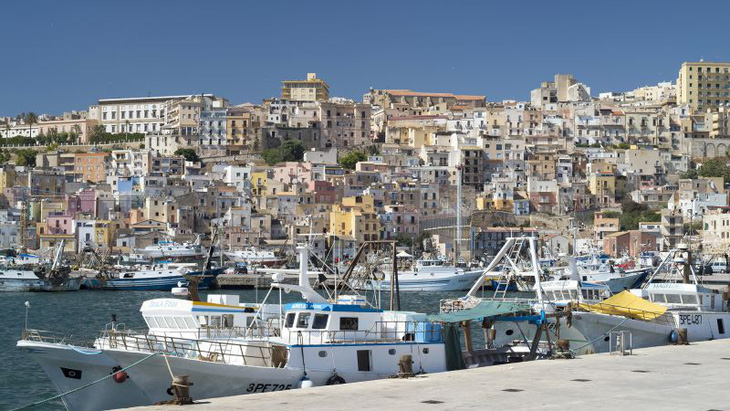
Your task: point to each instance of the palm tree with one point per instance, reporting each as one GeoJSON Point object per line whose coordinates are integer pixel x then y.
{"type": "Point", "coordinates": [77, 131]}
{"type": "Point", "coordinates": [31, 118]}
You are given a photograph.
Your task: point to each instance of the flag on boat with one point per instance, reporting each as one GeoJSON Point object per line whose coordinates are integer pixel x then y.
{"type": "Point", "coordinates": [627, 305]}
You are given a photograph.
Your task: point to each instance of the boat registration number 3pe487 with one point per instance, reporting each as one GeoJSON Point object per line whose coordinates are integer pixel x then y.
{"type": "Point", "coordinates": [690, 319]}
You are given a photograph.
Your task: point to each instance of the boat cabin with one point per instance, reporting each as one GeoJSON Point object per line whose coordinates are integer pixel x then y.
{"type": "Point", "coordinates": [683, 296]}
{"type": "Point", "coordinates": [326, 323]}
{"type": "Point", "coordinates": [563, 292]}
{"type": "Point", "coordinates": [220, 316]}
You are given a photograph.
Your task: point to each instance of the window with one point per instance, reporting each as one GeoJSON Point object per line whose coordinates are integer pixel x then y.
{"type": "Point", "coordinates": [303, 320]}
{"type": "Point", "coordinates": [289, 320]}
{"type": "Point", "coordinates": [348, 323]}
{"type": "Point", "coordinates": [720, 326]}
{"type": "Point", "coordinates": [363, 360]}
{"type": "Point", "coordinates": [320, 321]}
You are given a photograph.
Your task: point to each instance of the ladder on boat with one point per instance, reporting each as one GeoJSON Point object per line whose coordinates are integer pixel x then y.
{"type": "Point", "coordinates": [508, 276]}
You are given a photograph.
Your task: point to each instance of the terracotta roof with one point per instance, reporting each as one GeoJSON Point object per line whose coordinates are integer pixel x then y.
{"type": "Point", "coordinates": [418, 93]}
{"type": "Point", "coordinates": [468, 97]}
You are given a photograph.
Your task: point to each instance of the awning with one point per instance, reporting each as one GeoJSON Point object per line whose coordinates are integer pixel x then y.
{"type": "Point", "coordinates": [403, 254]}
{"type": "Point", "coordinates": [483, 310]}
{"type": "Point", "coordinates": [627, 305]}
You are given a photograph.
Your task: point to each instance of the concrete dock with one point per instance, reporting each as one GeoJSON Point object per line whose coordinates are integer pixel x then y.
{"type": "Point", "coordinates": [693, 377]}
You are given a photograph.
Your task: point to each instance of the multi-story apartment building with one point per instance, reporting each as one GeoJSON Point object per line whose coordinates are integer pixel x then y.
{"type": "Point", "coordinates": [90, 166]}
{"type": "Point", "coordinates": [703, 84]}
{"type": "Point", "coordinates": [133, 114]}
{"type": "Point", "coordinates": [311, 89]}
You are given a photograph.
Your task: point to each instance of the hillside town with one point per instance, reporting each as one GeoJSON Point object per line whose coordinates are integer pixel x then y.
{"type": "Point", "coordinates": [451, 175]}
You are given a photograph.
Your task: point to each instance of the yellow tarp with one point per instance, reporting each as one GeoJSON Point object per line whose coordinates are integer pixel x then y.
{"type": "Point", "coordinates": [627, 305]}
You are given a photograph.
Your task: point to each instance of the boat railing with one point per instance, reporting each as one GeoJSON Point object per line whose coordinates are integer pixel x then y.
{"type": "Point", "coordinates": [254, 353]}
{"type": "Point", "coordinates": [53, 337]}
{"type": "Point", "coordinates": [380, 332]}
{"type": "Point", "coordinates": [255, 330]}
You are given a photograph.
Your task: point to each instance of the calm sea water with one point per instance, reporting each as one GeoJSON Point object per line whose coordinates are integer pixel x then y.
{"type": "Point", "coordinates": [84, 313]}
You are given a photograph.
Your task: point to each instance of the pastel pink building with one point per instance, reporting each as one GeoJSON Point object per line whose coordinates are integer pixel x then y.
{"type": "Point", "coordinates": [291, 172]}
{"type": "Point", "coordinates": [60, 223]}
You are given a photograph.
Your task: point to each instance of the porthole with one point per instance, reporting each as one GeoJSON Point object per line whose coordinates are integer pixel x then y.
{"type": "Point", "coordinates": [510, 332]}
{"type": "Point", "coordinates": [606, 338]}
{"type": "Point", "coordinates": [425, 350]}
{"type": "Point", "coordinates": [391, 351]}
{"type": "Point", "coordinates": [323, 354]}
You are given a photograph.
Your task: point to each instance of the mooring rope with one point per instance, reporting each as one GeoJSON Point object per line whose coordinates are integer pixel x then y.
{"type": "Point", "coordinates": [55, 397]}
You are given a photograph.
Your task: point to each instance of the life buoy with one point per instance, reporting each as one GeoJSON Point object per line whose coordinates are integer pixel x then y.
{"type": "Point", "coordinates": [335, 379]}
{"type": "Point", "coordinates": [119, 376]}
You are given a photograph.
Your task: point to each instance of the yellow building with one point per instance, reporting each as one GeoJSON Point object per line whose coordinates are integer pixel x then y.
{"type": "Point", "coordinates": [103, 233]}
{"type": "Point", "coordinates": [311, 89]}
{"type": "Point", "coordinates": [90, 166]}
{"type": "Point", "coordinates": [603, 186]}
{"type": "Point", "coordinates": [702, 85]}
{"type": "Point", "coordinates": [355, 218]}
{"type": "Point", "coordinates": [7, 177]}
{"type": "Point", "coordinates": [243, 127]}
{"type": "Point", "coordinates": [259, 181]}
{"type": "Point", "coordinates": [160, 210]}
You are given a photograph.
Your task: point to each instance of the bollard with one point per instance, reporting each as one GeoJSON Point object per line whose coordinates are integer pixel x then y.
{"type": "Point", "coordinates": [682, 336]}
{"type": "Point", "coordinates": [181, 387]}
{"type": "Point", "coordinates": [405, 366]}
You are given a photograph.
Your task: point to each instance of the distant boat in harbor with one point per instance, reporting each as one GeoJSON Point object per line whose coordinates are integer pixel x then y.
{"type": "Point", "coordinates": [171, 249]}
{"type": "Point", "coordinates": [253, 256]}
{"type": "Point", "coordinates": [159, 277]}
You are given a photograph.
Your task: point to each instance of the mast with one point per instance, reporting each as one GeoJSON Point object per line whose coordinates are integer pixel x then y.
{"type": "Point", "coordinates": [457, 243]}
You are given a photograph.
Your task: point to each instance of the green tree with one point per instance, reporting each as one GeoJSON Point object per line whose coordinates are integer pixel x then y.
{"type": "Point", "coordinates": [715, 167]}
{"type": "Point", "coordinates": [25, 157]}
{"type": "Point", "coordinates": [691, 173]}
{"type": "Point", "coordinates": [189, 153]}
{"type": "Point", "coordinates": [76, 134]}
{"type": "Point", "coordinates": [290, 150]}
{"type": "Point", "coordinates": [351, 159]}
{"type": "Point", "coordinates": [30, 119]}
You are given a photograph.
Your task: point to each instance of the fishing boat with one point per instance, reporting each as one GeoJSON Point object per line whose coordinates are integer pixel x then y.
{"type": "Point", "coordinates": [171, 249]}
{"type": "Point", "coordinates": [316, 342]}
{"type": "Point", "coordinates": [33, 275]}
{"type": "Point", "coordinates": [427, 275]}
{"type": "Point", "coordinates": [254, 256]}
{"type": "Point", "coordinates": [159, 277]}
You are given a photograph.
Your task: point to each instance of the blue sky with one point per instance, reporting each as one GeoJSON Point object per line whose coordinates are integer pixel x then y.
{"type": "Point", "coordinates": [56, 57]}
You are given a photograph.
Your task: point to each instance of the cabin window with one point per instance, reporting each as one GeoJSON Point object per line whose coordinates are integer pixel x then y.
{"type": "Point", "coordinates": [658, 298]}
{"type": "Point", "coordinates": [203, 320]}
{"type": "Point", "coordinates": [170, 322]}
{"type": "Point", "coordinates": [348, 323]}
{"type": "Point", "coordinates": [180, 322]}
{"type": "Point", "coordinates": [190, 322]}
{"type": "Point", "coordinates": [151, 322]}
{"type": "Point", "coordinates": [720, 326]}
{"type": "Point", "coordinates": [289, 320]}
{"type": "Point", "coordinates": [320, 321]}
{"type": "Point", "coordinates": [363, 360]}
{"type": "Point", "coordinates": [673, 299]}
{"type": "Point", "coordinates": [689, 299]}
{"type": "Point", "coordinates": [303, 320]}
{"type": "Point", "coordinates": [215, 321]}
{"type": "Point", "coordinates": [227, 320]}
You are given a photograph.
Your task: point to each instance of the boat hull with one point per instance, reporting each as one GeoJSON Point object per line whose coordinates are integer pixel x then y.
{"type": "Point", "coordinates": [426, 282]}
{"type": "Point", "coordinates": [152, 284]}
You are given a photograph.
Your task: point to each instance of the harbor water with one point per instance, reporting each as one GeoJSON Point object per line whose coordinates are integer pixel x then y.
{"type": "Point", "coordinates": [84, 314]}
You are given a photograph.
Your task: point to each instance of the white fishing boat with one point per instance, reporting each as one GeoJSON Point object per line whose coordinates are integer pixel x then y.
{"type": "Point", "coordinates": [171, 249]}
{"type": "Point", "coordinates": [32, 275]}
{"type": "Point", "coordinates": [427, 275]}
{"type": "Point", "coordinates": [320, 342]}
{"type": "Point", "coordinates": [253, 256]}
